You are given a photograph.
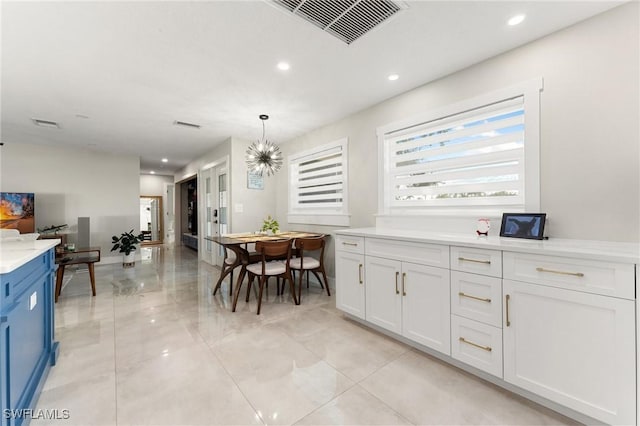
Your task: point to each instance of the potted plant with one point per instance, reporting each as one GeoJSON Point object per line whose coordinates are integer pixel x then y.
{"type": "Point", "coordinates": [126, 243]}
{"type": "Point", "coordinates": [270, 225]}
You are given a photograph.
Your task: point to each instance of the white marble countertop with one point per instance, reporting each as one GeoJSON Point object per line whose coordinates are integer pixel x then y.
{"type": "Point", "coordinates": [585, 249]}
{"type": "Point", "coordinates": [14, 254]}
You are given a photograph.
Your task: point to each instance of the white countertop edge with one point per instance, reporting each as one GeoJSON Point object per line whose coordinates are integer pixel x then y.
{"type": "Point", "coordinates": [15, 254]}
{"type": "Point", "coordinates": [585, 249]}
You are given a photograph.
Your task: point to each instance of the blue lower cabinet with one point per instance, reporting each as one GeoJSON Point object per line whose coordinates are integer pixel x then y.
{"type": "Point", "coordinates": [27, 348]}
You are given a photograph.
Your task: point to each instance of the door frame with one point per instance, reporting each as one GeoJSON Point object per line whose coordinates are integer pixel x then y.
{"type": "Point", "coordinates": [202, 213]}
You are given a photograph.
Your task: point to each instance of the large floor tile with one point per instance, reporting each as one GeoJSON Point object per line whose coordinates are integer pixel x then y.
{"type": "Point", "coordinates": [89, 402]}
{"type": "Point", "coordinates": [428, 391]}
{"type": "Point", "coordinates": [184, 387]}
{"type": "Point", "coordinates": [354, 407]}
{"type": "Point", "coordinates": [281, 379]}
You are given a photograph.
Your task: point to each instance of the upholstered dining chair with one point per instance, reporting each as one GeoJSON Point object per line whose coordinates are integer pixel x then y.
{"type": "Point", "coordinates": [304, 262]}
{"type": "Point", "coordinates": [274, 262]}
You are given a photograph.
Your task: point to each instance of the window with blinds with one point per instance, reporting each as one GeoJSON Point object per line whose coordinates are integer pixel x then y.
{"type": "Point", "coordinates": [478, 155]}
{"type": "Point", "coordinates": [474, 157]}
{"type": "Point", "coordinates": [318, 184]}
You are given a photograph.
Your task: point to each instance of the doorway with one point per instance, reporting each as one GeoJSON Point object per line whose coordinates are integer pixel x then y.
{"type": "Point", "coordinates": [151, 219]}
{"type": "Point", "coordinates": [215, 217]}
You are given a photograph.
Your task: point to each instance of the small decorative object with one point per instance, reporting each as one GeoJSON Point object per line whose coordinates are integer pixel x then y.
{"type": "Point", "coordinates": [270, 225]}
{"type": "Point", "coordinates": [523, 225]}
{"type": "Point", "coordinates": [483, 227]}
{"type": "Point", "coordinates": [263, 155]}
{"type": "Point", "coordinates": [126, 244]}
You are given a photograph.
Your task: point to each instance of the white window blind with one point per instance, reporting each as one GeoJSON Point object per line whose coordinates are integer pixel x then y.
{"type": "Point", "coordinates": [474, 157]}
{"type": "Point", "coordinates": [318, 182]}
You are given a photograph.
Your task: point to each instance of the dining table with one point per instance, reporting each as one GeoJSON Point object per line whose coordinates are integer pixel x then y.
{"type": "Point", "coordinates": [238, 244]}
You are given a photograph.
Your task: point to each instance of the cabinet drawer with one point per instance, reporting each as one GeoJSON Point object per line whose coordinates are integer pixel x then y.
{"type": "Point", "coordinates": [350, 244]}
{"type": "Point", "coordinates": [420, 253]}
{"type": "Point", "coordinates": [477, 344]}
{"type": "Point", "coordinates": [591, 276]}
{"type": "Point", "coordinates": [477, 261]}
{"type": "Point", "coordinates": [477, 297]}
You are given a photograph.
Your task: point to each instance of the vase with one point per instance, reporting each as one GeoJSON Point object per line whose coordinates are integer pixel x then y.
{"type": "Point", "coordinates": [129, 260]}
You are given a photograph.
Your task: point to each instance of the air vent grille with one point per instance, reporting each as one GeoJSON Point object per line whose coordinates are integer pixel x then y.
{"type": "Point", "coordinates": [185, 124]}
{"type": "Point", "coordinates": [347, 20]}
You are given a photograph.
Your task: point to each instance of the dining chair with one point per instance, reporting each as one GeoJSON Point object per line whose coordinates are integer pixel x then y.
{"type": "Point", "coordinates": [274, 262]}
{"type": "Point", "coordinates": [306, 263]}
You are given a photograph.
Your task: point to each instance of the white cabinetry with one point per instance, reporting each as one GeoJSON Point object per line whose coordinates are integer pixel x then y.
{"type": "Point", "coordinates": [407, 290]}
{"type": "Point", "coordinates": [350, 275]}
{"type": "Point", "coordinates": [552, 319]}
{"type": "Point", "coordinates": [409, 299]}
{"type": "Point", "coordinates": [575, 348]}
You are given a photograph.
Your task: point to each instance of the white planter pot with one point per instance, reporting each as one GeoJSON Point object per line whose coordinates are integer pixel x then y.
{"type": "Point", "coordinates": [129, 259]}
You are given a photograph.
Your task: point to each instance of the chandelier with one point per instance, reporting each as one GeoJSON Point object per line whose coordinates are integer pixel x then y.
{"type": "Point", "coordinates": [264, 156]}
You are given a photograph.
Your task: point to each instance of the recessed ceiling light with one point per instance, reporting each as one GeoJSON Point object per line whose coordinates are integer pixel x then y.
{"type": "Point", "coordinates": [515, 20]}
{"type": "Point", "coordinates": [284, 66]}
{"type": "Point", "coordinates": [152, 172]}
{"type": "Point", "coordinates": [393, 77]}
{"type": "Point", "coordinates": [165, 160]}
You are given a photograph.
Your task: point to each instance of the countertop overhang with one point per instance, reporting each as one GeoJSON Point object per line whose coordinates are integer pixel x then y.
{"type": "Point", "coordinates": [14, 254]}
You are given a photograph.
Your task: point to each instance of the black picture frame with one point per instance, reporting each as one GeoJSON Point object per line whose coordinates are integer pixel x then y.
{"type": "Point", "coordinates": [523, 225]}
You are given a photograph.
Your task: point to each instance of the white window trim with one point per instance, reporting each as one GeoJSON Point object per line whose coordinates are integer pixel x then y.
{"type": "Point", "coordinates": [333, 218]}
{"type": "Point", "coordinates": [531, 91]}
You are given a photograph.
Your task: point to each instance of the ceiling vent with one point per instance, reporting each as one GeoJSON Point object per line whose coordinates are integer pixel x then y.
{"type": "Point", "coordinates": [185, 124]}
{"type": "Point", "coordinates": [45, 123]}
{"type": "Point", "coordinates": [348, 20]}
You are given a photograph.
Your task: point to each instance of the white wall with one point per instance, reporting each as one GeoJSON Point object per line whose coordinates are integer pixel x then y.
{"type": "Point", "coordinates": [590, 128]}
{"type": "Point", "coordinates": [69, 183]}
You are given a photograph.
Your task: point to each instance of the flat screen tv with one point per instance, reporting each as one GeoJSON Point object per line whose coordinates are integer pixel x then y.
{"type": "Point", "coordinates": [17, 211]}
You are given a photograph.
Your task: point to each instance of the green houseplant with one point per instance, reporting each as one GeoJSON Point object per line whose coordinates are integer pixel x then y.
{"type": "Point", "coordinates": [270, 224]}
{"type": "Point", "coordinates": [126, 244]}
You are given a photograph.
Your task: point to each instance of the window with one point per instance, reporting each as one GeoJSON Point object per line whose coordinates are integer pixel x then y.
{"type": "Point", "coordinates": [480, 155]}
{"type": "Point", "coordinates": [318, 185]}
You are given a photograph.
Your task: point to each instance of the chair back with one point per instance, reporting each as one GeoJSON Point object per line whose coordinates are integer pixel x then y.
{"type": "Point", "coordinates": [310, 244]}
{"type": "Point", "coordinates": [274, 248]}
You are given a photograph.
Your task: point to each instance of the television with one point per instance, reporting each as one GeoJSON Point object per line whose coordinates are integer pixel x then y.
{"type": "Point", "coordinates": [17, 211]}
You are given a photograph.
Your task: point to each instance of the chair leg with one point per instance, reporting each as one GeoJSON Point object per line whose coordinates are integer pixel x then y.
{"type": "Point", "coordinates": [307, 278]}
{"type": "Point", "coordinates": [300, 286]}
{"type": "Point", "coordinates": [263, 279]}
{"type": "Point", "coordinates": [326, 283]}
{"type": "Point", "coordinates": [292, 287]}
{"type": "Point", "coordinates": [231, 284]}
{"type": "Point", "coordinates": [238, 287]}
{"type": "Point", "coordinates": [251, 278]}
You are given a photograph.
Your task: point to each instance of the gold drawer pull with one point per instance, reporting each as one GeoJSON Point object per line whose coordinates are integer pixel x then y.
{"type": "Point", "coordinates": [397, 273]}
{"type": "Point", "coordinates": [360, 273]}
{"type": "Point", "coordinates": [404, 277]}
{"type": "Point", "coordinates": [553, 271]}
{"type": "Point", "coordinates": [350, 244]}
{"type": "Point", "coordinates": [484, 348]}
{"type": "Point", "coordinates": [506, 300]}
{"type": "Point", "coordinates": [482, 299]}
{"type": "Point", "coordinates": [466, 259]}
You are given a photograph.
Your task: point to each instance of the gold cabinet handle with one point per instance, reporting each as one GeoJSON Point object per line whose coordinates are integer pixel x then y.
{"type": "Point", "coordinates": [397, 273]}
{"type": "Point", "coordinates": [484, 348]}
{"type": "Point", "coordinates": [404, 277]}
{"type": "Point", "coordinates": [360, 273]}
{"type": "Point", "coordinates": [350, 244]}
{"type": "Point", "coordinates": [553, 271]}
{"type": "Point", "coordinates": [507, 298]}
{"type": "Point", "coordinates": [466, 259]}
{"type": "Point", "coordinates": [482, 299]}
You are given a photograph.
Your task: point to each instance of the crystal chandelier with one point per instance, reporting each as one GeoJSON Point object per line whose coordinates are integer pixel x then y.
{"type": "Point", "coordinates": [264, 156]}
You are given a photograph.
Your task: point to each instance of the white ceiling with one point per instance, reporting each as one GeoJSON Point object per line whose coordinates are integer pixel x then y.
{"type": "Point", "coordinates": [116, 75]}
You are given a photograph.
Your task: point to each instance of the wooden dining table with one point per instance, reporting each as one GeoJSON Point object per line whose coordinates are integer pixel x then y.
{"type": "Point", "coordinates": [238, 244]}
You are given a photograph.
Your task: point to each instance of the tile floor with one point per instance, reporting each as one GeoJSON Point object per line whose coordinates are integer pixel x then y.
{"type": "Point", "coordinates": [154, 347]}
